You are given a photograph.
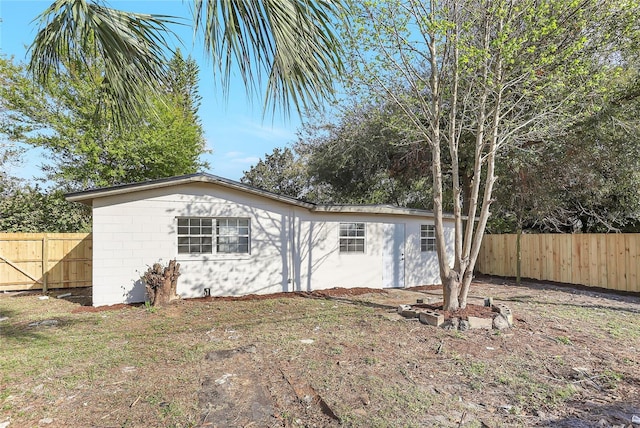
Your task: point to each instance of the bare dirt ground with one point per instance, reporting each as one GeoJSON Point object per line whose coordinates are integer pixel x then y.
{"type": "Point", "coordinates": [322, 359]}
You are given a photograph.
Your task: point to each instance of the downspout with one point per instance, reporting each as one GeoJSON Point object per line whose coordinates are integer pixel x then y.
{"type": "Point", "coordinates": [291, 255]}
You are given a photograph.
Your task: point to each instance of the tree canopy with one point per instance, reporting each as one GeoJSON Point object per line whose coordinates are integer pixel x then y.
{"type": "Point", "coordinates": [287, 43]}
{"type": "Point", "coordinates": [496, 94]}
{"type": "Point", "coordinates": [84, 146]}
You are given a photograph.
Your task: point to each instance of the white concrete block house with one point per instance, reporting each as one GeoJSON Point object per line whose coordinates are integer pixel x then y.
{"type": "Point", "coordinates": [233, 239]}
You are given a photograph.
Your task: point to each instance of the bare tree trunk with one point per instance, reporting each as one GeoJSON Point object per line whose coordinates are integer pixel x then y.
{"type": "Point", "coordinates": [161, 283]}
{"type": "Point", "coordinates": [450, 291]}
{"type": "Point", "coordinates": [492, 146]}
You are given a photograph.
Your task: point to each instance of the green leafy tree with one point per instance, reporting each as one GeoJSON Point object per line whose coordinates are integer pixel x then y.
{"type": "Point", "coordinates": [473, 78]}
{"type": "Point", "coordinates": [85, 147]}
{"type": "Point", "coordinates": [280, 172]}
{"type": "Point", "coordinates": [358, 156]}
{"type": "Point", "coordinates": [14, 86]}
{"type": "Point", "coordinates": [288, 41]}
{"type": "Point", "coordinates": [585, 179]}
{"type": "Point", "coordinates": [31, 209]}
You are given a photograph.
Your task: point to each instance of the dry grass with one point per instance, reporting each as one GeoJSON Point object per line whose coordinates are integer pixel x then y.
{"type": "Point", "coordinates": [573, 355]}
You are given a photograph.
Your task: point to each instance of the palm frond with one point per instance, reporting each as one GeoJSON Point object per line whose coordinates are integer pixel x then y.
{"type": "Point", "coordinates": [132, 46]}
{"type": "Point", "coordinates": [289, 41]}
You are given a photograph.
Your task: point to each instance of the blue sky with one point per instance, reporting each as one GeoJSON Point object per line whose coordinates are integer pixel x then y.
{"type": "Point", "coordinates": [234, 128]}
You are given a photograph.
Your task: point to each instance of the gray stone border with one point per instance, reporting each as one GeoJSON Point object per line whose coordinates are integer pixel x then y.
{"type": "Point", "coordinates": [501, 320]}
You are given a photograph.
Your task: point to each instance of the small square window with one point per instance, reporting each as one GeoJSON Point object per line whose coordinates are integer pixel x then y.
{"type": "Point", "coordinates": [427, 238]}
{"type": "Point", "coordinates": [352, 237]}
{"type": "Point", "coordinates": [194, 236]}
{"type": "Point", "coordinates": [232, 235]}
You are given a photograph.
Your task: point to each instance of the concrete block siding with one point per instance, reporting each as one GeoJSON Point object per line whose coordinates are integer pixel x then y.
{"type": "Point", "coordinates": [293, 245]}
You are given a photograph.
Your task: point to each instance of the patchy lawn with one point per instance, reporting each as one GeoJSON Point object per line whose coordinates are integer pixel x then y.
{"type": "Point", "coordinates": [573, 360]}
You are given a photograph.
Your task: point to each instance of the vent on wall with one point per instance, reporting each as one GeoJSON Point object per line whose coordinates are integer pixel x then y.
{"type": "Point", "coordinates": [207, 292]}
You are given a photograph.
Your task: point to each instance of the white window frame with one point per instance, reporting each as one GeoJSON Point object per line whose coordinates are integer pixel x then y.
{"type": "Point", "coordinates": [195, 235]}
{"type": "Point", "coordinates": [233, 235]}
{"type": "Point", "coordinates": [213, 235]}
{"type": "Point", "coordinates": [427, 238]}
{"type": "Point", "coordinates": [352, 237]}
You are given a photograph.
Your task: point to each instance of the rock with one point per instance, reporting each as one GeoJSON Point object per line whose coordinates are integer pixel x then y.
{"type": "Point", "coordinates": [451, 324]}
{"type": "Point", "coordinates": [45, 421]}
{"type": "Point", "coordinates": [431, 318]}
{"type": "Point", "coordinates": [500, 322]}
{"type": "Point", "coordinates": [464, 325]}
{"type": "Point", "coordinates": [504, 311]}
{"type": "Point", "coordinates": [480, 323]}
{"type": "Point", "coordinates": [306, 341]}
{"type": "Point", "coordinates": [4, 424]}
{"type": "Point", "coordinates": [506, 408]}
{"type": "Point", "coordinates": [635, 419]}
{"type": "Point", "coordinates": [3, 319]}
{"type": "Point", "coordinates": [403, 308]}
{"type": "Point", "coordinates": [46, 323]}
{"type": "Point", "coordinates": [223, 379]}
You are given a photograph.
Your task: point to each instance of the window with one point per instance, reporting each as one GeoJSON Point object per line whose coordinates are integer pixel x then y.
{"type": "Point", "coordinates": [196, 235]}
{"type": "Point", "coordinates": [232, 235]}
{"type": "Point", "coordinates": [427, 237]}
{"type": "Point", "coordinates": [352, 237]}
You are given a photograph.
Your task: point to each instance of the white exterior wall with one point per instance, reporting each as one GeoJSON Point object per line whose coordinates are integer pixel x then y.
{"type": "Point", "coordinates": [291, 248]}
{"type": "Point", "coordinates": [323, 266]}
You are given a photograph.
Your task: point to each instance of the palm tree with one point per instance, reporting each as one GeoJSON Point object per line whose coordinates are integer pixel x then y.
{"type": "Point", "coordinates": [290, 41]}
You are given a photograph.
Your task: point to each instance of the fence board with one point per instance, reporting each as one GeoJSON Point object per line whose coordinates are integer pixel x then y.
{"type": "Point", "coordinates": [602, 260]}
{"type": "Point", "coordinates": [54, 260]}
{"type": "Point", "coordinates": [634, 246]}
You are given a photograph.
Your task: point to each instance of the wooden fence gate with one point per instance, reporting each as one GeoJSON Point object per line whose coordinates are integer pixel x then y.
{"type": "Point", "coordinates": [40, 261]}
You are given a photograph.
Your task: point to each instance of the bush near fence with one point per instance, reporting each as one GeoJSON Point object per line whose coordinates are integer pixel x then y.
{"type": "Point", "coordinates": [609, 261]}
{"type": "Point", "coordinates": [40, 261]}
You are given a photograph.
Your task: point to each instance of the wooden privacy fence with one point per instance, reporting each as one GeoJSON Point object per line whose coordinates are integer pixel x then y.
{"type": "Point", "coordinates": [601, 260]}
{"type": "Point", "coordinates": [34, 261]}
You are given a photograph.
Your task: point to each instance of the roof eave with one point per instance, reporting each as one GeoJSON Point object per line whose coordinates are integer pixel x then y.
{"type": "Point", "coordinates": [376, 209]}
{"type": "Point", "coordinates": [87, 196]}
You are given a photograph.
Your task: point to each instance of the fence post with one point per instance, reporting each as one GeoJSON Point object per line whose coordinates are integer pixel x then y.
{"type": "Point", "coordinates": [45, 262]}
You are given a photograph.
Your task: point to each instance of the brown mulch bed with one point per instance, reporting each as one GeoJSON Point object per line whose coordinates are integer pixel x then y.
{"type": "Point", "coordinates": [469, 311]}
{"type": "Point", "coordinates": [115, 307]}
{"type": "Point", "coordinates": [331, 292]}
{"type": "Point", "coordinates": [425, 287]}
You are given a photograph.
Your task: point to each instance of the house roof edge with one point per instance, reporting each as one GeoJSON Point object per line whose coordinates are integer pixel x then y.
{"type": "Point", "coordinates": [86, 196]}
